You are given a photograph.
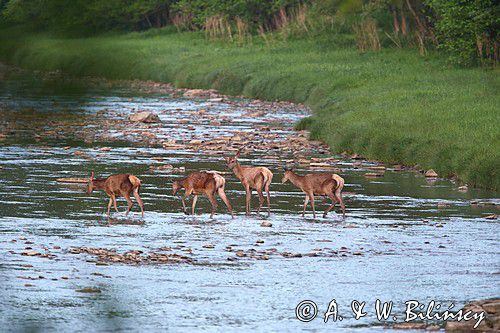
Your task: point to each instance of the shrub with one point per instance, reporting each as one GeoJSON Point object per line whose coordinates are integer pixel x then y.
{"type": "Point", "coordinates": [468, 30]}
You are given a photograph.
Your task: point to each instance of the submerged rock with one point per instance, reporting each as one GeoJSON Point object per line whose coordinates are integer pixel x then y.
{"type": "Point", "coordinates": [88, 290]}
{"type": "Point", "coordinates": [145, 117]}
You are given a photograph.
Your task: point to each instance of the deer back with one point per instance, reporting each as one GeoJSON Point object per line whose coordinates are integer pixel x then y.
{"type": "Point", "coordinates": [200, 182]}
{"type": "Point", "coordinates": [320, 182]}
{"type": "Point", "coordinates": [120, 183]}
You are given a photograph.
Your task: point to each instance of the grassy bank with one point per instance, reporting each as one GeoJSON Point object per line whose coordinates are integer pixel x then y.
{"type": "Point", "coordinates": [395, 105]}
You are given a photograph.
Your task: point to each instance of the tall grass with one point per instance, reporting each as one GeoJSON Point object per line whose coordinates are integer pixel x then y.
{"type": "Point", "coordinates": [393, 105]}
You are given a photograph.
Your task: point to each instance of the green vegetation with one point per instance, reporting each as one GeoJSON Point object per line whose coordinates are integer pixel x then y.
{"type": "Point", "coordinates": [466, 30]}
{"type": "Point", "coordinates": [375, 72]}
{"type": "Point", "coordinates": [393, 105]}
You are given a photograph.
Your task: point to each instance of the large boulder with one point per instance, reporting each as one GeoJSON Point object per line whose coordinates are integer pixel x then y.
{"type": "Point", "coordinates": [491, 323]}
{"type": "Point", "coordinates": [145, 117]}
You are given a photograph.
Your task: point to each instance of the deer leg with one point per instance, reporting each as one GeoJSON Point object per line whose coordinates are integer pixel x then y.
{"type": "Point", "coordinates": [331, 196]}
{"type": "Point", "coordinates": [306, 201]}
{"type": "Point", "coordinates": [194, 204]}
{"type": "Point", "coordinates": [213, 201]}
{"type": "Point", "coordinates": [109, 204]}
{"type": "Point", "coordinates": [248, 197]}
{"type": "Point", "coordinates": [129, 202]}
{"type": "Point", "coordinates": [223, 196]}
{"type": "Point", "coordinates": [139, 201]}
{"type": "Point", "coordinates": [261, 200]}
{"type": "Point", "coordinates": [268, 200]}
{"type": "Point", "coordinates": [183, 204]}
{"type": "Point", "coordinates": [311, 196]}
{"type": "Point", "coordinates": [114, 204]}
{"type": "Point", "coordinates": [338, 195]}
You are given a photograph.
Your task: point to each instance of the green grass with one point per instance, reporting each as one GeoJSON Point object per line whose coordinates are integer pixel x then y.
{"type": "Point", "coordinates": [394, 106]}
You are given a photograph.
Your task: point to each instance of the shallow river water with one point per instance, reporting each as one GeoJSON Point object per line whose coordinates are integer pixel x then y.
{"type": "Point", "coordinates": [404, 237]}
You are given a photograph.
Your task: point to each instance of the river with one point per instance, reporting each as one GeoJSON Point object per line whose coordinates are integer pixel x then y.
{"type": "Point", "coordinates": [404, 238]}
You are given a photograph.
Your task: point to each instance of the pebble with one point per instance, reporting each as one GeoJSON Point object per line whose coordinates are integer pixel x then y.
{"type": "Point", "coordinates": [431, 174]}
{"type": "Point", "coordinates": [266, 224]}
{"type": "Point", "coordinates": [373, 174]}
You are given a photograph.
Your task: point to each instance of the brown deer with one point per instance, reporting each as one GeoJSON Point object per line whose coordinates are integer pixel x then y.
{"type": "Point", "coordinates": [118, 185]}
{"type": "Point", "coordinates": [324, 184]}
{"type": "Point", "coordinates": [252, 178]}
{"type": "Point", "coordinates": [204, 182]}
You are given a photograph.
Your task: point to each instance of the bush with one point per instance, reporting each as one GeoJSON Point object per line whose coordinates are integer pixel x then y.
{"type": "Point", "coordinates": [468, 30]}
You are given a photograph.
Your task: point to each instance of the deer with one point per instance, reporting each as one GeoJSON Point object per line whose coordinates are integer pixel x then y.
{"type": "Point", "coordinates": [118, 185]}
{"type": "Point", "coordinates": [323, 184]}
{"type": "Point", "coordinates": [252, 178]}
{"type": "Point", "coordinates": [203, 182]}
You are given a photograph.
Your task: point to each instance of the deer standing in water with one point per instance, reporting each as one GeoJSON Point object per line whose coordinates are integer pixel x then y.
{"type": "Point", "coordinates": [204, 182]}
{"type": "Point", "coordinates": [324, 184]}
{"type": "Point", "coordinates": [252, 178]}
{"type": "Point", "coordinates": [118, 185]}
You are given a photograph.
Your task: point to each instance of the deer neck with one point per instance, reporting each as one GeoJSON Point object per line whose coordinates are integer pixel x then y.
{"type": "Point", "coordinates": [238, 171]}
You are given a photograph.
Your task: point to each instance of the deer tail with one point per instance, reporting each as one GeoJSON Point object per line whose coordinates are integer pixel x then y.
{"type": "Point", "coordinates": [339, 180]}
{"type": "Point", "coordinates": [220, 182]}
{"type": "Point", "coordinates": [136, 182]}
{"type": "Point", "coordinates": [268, 178]}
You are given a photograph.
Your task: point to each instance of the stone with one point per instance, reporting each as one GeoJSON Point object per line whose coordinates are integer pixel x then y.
{"type": "Point", "coordinates": [410, 326]}
{"type": "Point", "coordinates": [197, 93]}
{"type": "Point", "coordinates": [266, 224]}
{"type": "Point", "coordinates": [431, 173]}
{"type": "Point", "coordinates": [216, 100]}
{"type": "Point", "coordinates": [373, 174]}
{"type": "Point", "coordinates": [492, 307]}
{"type": "Point", "coordinates": [433, 328]}
{"type": "Point", "coordinates": [491, 217]}
{"type": "Point", "coordinates": [145, 117]}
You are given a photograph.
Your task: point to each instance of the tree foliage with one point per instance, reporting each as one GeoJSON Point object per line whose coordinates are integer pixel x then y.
{"type": "Point", "coordinates": [468, 30]}
{"type": "Point", "coordinates": [86, 16]}
{"type": "Point", "coordinates": [254, 12]}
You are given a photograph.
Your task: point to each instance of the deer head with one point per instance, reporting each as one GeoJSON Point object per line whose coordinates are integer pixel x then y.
{"type": "Point", "coordinates": [288, 172]}
{"type": "Point", "coordinates": [90, 184]}
{"type": "Point", "coordinates": [176, 186]}
{"type": "Point", "coordinates": [233, 161]}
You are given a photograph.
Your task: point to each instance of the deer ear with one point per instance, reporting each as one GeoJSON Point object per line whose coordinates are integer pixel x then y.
{"type": "Point", "coordinates": [238, 153]}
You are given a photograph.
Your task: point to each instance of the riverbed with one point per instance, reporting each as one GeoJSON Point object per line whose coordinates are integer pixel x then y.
{"type": "Point", "coordinates": [405, 237]}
